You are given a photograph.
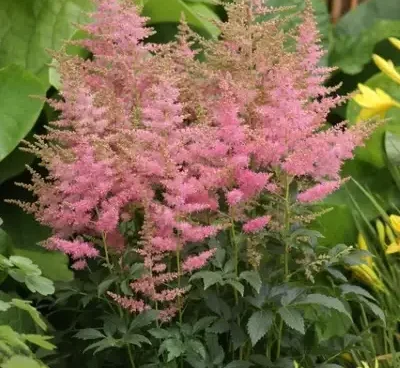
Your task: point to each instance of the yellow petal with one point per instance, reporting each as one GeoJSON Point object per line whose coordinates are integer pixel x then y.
{"type": "Point", "coordinates": [395, 42]}
{"type": "Point", "coordinates": [362, 244]}
{"type": "Point", "coordinates": [373, 102]}
{"type": "Point", "coordinates": [393, 248]}
{"type": "Point", "coordinates": [387, 67]}
{"type": "Point", "coordinates": [395, 222]}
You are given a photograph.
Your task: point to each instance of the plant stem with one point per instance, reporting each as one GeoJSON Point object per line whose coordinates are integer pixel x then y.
{"type": "Point", "coordinates": [178, 267]}
{"type": "Point", "coordinates": [131, 356]}
{"type": "Point", "coordinates": [286, 254]}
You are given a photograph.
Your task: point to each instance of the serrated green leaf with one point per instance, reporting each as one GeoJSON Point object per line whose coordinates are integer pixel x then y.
{"type": "Point", "coordinates": [89, 334]}
{"type": "Point", "coordinates": [35, 315]}
{"type": "Point", "coordinates": [144, 319]}
{"type": "Point", "coordinates": [173, 347]}
{"type": "Point", "coordinates": [105, 285]}
{"type": "Point", "coordinates": [236, 285]}
{"type": "Point", "coordinates": [292, 318]}
{"type": "Point", "coordinates": [219, 327]}
{"type": "Point", "coordinates": [159, 333]}
{"type": "Point", "coordinates": [39, 340]}
{"type": "Point", "coordinates": [203, 323]}
{"type": "Point", "coordinates": [197, 347]}
{"type": "Point", "coordinates": [325, 301]}
{"type": "Point", "coordinates": [253, 278]}
{"type": "Point", "coordinates": [209, 278]}
{"type": "Point", "coordinates": [16, 318]}
{"type": "Point", "coordinates": [375, 309]}
{"type": "Point", "coordinates": [336, 274]}
{"type": "Point", "coordinates": [354, 289]}
{"type": "Point", "coordinates": [259, 324]}
{"type": "Point", "coordinates": [106, 343]}
{"type": "Point", "coordinates": [136, 339]}
{"type": "Point", "coordinates": [40, 284]}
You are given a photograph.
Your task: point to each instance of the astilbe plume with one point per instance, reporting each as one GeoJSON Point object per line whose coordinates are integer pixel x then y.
{"type": "Point", "coordinates": [150, 127]}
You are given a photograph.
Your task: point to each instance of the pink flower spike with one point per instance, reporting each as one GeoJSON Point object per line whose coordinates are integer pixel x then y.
{"type": "Point", "coordinates": [196, 262]}
{"type": "Point", "coordinates": [256, 224]}
{"type": "Point", "coordinates": [319, 191]}
{"type": "Point", "coordinates": [234, 196]}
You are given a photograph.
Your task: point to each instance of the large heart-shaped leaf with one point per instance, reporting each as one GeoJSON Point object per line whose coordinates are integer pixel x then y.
{"type": "Point", "coordinates": [18, 109]}
{"type": "Point", "coordinates": [198, 15]}
{"type": "Point", "coordinates": [356, 34]}
{"type": "Point", "coordinates": [29, 28]}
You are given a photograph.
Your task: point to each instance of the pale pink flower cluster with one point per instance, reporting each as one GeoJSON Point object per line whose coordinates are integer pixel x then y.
{"type": "Point", "coordinates": [150, 128]}
{"type": "Point", "coordinates": [256, 224]}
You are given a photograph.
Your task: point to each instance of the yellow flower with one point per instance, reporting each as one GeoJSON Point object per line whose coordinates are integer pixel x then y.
{"type": "Point", "coordinates": [373, 102]}
{"type": "Point", "coordinates": [387, 67]}
{"type": "Point", "coordinates": [393, 248]}
{"type": "Point", "coordinates": [395, 42]}
{"type": "Point", "coordinates": [362, 244]}
{"type": "Point", "coordinates": [347, 357]}
{"type": "Point", "coordinates": [395, 222]}
{"type": "Point", "coordinates": [368, 276]}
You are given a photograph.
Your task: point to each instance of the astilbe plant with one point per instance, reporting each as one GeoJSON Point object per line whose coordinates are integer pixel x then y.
{"type": "Point", "coordinates": [186, 149]}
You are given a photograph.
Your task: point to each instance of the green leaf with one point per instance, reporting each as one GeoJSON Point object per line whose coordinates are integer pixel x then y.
{"type": "Point", "coordinates": [25, 233]}
{"type": "Point", "coordinates": [4, 306]}
{"type": "Point", "coordinates": [18, 109]}
{"type": "Point", "coordinates": [259, 324]}
{"type": "Point", "coordinates": [89, 334]}
{"type": "Point", "coordinates": [105, 285]}
{"type": "Point", "coordinates": [6, 243]}
{"type": "Point", "coordinates": [26, 265]}
{"type": "Point", "coordinates": [219, 327]}
{"type": "Point", "coordinates": [292, 318]}
{"type": "Point", "coordinates": [144, 319]}
{"type": "Point", "coordinates": [203, 323]}
{"type": "Point", "coordinates": [136, 339]}
{"type": "Point", "coordinates": [29, 28]}
{"type": "Point", "coordinates": [351, 53]}
{"type": "Point", "coordinates": [209, 278]}
{"type": "Point", "coordinates": [325, 301]}
{"type": "Point", "coordinates": [236, 285]}
{"type": "Point", "coordinates": [35, 315]}
{"type": "Point", "coordinates": [354, 289]}
{"type": "Point", "coordinates": [356, 33]}
{"type": "Point", "coordinates": [197, 347]}
{"type": "Point", "coordinates": [159, 333]}
{"type": "Point", "coordinates": [19, 361]}
{"type": "Point", "coordinates": [40, 340]}
{"type": "Point", "coordinates": [40, 284]}
{"type": "Point", "coordinates": [375, 309]}
{"type": "Point", "coordinates": [197, 15]}
{"type": "Point", "coordinates": [15, 317]}
{"type": "Point", "coordinates": [239, 364]}
{"type": "Point", "coordinates": [253, 278]}
{"type": "Point", "coordinates": [173, 347]}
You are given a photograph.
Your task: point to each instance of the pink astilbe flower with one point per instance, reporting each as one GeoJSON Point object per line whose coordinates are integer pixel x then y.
{"type": "Point", "coordinates": [134, 306]}
{"type": "Point", "coordinates": [319, 191]}
{"type": "Point", "coordinates": [150, 128]}
{"type": "Point", "coordinates": [256, 224]}
{"type": "Point", "coordinates": [77, 249]}
{"type": "Point", "coordinates": [196, 262]}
